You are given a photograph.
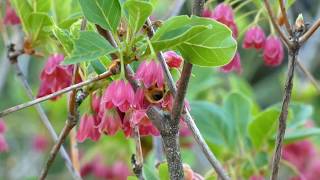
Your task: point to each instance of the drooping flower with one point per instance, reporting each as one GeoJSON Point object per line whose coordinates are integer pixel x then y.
{"type": "Point", "coordinates": [150, 73]}
{"type": "Point", "coordinates": [11, 17]}
{"type": "Point", "coordinates": [54, 76]}
{"type": "Point", "coordinates": [273, 51]}
{"type": "Point", "coordinates": [2, 126]}
{"type": "Point", "coordinates": [224, 14]}
{"type": "Point", "coordinates": [3, 144]}
{"type": "Point", "coordinates": [234, 65]}
{"type": "Point", "coordinates": [254, 38]}
{"type": "Point", "coordinates": [95, 102]}
{"type": "Point", "coordinates": [110, 122]}
{"type": "Point", "coordinates": [207, 13]}
{"type": "Point", "coordinates": [119, 94]}
{"type": "Point", "coordinates": [88, 128]}
{"type": "Point", "coordinates": [40, 143]}
{"type": "Point", "coordinates": [172, 59]}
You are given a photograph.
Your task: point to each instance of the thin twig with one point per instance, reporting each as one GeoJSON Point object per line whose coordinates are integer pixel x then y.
{"type": "Point", "coordinates": [58, 93]}
{"type": "Point", "coordinates": [285, 16]}
{"type": "Point", "coordinates": [309, 33]}
{"type": "Point", "coordinates": [44, 118]}
{"type": "Point", "coordinates": [275, 25]}
{"type": "Point", "coordinates": [283, 114]}
{"type": "Point", "coordinates": [137, 159]}
{"type": "Point", "coordinates": [308, 75]}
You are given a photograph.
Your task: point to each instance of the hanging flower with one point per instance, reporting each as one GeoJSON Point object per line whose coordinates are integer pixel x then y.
{"type": "Point", "coordinates": [173, 60]}
{"type": "Point", "coordinates": [254, 38]}
{"type": "Point", "coordinates": [88, 128]}
{"type": "Point", "coordinates": [273, 51]}
{"type": "Point", "coordinates": [110, 122]}
{"type": "Point", "coordinates": [11, 17]}
{"type": "Point", "coordinates": [234, 65]}
{"type": "Point", "coordinates": [150, 73]}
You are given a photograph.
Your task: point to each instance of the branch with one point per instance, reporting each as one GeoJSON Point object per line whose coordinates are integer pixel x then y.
{"type": "Point", "coordinates": [285, 16]}
{"type": "Point", "coordinates": [158, 148]}
{"type": "Point", "coordinates": [308, 75]}
{"type": "Point", "coordinates": [310, 32]}
{"type": "Point", "coordinates": [284, 114]}
{"type": "Point", "coordinates": [137, 159]}
{"type": "Point", "coordinates": [276, 26]}
{"type": "Point", "coordinates": [42, 115]}
{"type": "Point", "coordinates": [104, 75]}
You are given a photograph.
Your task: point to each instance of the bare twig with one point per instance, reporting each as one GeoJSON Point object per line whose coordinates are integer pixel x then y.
{"type": "Point", "coordinates": [275, 25]}
{"type": "Point", "coordinates": [309, 33]}
{"type": "Point", "coordinates": [308, 75]}
{"type": "Point", "coordinates": [43, 116]}
{"type": "Point", "coordinates": [137, 159]}
{"type": "Point", "coordinates": [285, 16]}
{"type": "Point", "coordinates": [58, 93]}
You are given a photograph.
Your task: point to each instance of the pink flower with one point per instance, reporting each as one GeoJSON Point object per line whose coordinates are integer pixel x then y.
{"type": "Point", "coordinates": [256, 177]}
{"type": "Point", "coordinates": [54, 76]}
{"type": "Point", "coordinates": [207, 13]}
{"type": "Point", "coordinates": [3, 144]}
{"type": "Point", "coordinates": [11, 17]}
{"type": "Point", "coordinates": [95, 102]}
{"type": "Point", "coordinates": [120, 171]}
{"type": "Point", "coordinates": [40, 143]}
{"type": "Point", "coordinates": [150, 73]}
{"type": "Point", "coordinates": [110, 122]}
{"type": "Point", "coordinates": [88, 128]}
{"type": "Point", "coordinates": [273, 51]}
{"type": "Point", "coordinates": [234, 65]}
{"type": "Point", "coordinates": [172, 59]}
{"type": "Point", "coordinates": [118, 94]}
{"type": "Point", "coordinates": [254, 38]}
{"type": "Point", "coordinates": [223, 13]}
{"type": "Point", "coordinates": [2, 126]}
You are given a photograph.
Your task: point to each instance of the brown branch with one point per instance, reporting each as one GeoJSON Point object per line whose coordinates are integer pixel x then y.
{"type": "Point", "coordinates": [310, 32]}
{"type": "Point", "coordinates": [285, 16]}
{"type": "Point", "coordinates": [284, 113]}
{"type": "Point", "coordinates": [62, 91]}
{"type": "Point", "coordinates": [275, 25]}
{"type": "Point", "coordinates": [308, 75]}
{"type": "Point", "coordinates": [137, 159]}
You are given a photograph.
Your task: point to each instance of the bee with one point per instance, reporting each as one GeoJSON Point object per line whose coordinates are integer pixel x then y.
{"type": "Point", "coordinates": [154, 94]}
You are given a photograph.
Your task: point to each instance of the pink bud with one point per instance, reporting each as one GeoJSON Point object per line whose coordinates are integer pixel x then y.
{"type": "Point", "coordinates": [207, 13]}
{"type": "Point", "coordinates": [254, 38]}
{"type": "Point", "coordinates": [223, 13]}
{"type": "Point", "coordinates": [11, 17]}
{"type": "Point", "coordinates": [2, 126]}
{"type": "Point", "coordinates": [172, 59]}
{"type": "Point", "coordinates": [40, 143]}
{"type": "Point", "coordinates": [273, 51]}
{"type": "Point", "coordinates": [3, 144]}
{"type": "Point", "coordinates": [234, 65]}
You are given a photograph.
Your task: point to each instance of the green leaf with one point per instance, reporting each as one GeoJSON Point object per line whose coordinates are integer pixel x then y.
{"type": "Point", "coordinates": [201, 41]}
{"type": "Point", "coordinates": [163, 171]}
{"type": "Point", "coordinates": [138, 12]}
{"type": "Point", "coordinates": [263, 126]}
{"type": "Point", "coordinates": [23, 9]}
{"type": "Point", "coordinates": [90, 46]}
{"type": "Point", "coordinates": [301, 113]}
{"type": "Point", "coordinates": [42, 5]}
{"type": "Point", "coordinates": [36, 24]}
{"type": "Point", "coordinates": [106, 13]}
{"type": "Point", "coordinates": [298, 134]}
{"type": "Point", "coordinates": [211, 121]}
{"type": "Point", "coordinates": [64, 38]}
{"type": "Point", "coordinates": [238, 111]}
{"type": "Point", "coordinates": [98, 66]}
{"type": "Point", "coordinates": [132, 178]}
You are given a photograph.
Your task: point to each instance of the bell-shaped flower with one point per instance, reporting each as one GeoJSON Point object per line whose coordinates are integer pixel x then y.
{"type": "Point", "coordinates": [254, 38]}
{"type": "Point", "coordinates": [150, 73]}
{"type": "Point", "coordinates": [234, 65]}
{"type": "Point", "coordinates": [88, 128]}
{"type": "Point", "coordinates": [273, 51]}
{"type": "Point", "coordinates": [173, 60]}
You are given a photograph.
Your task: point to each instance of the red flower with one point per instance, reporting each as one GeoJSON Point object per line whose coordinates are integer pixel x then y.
{"type": "Point", "coordinates": [224, 14]}
{"type": "Point", "coordinates": [273, 51]}
{"type": "Point", "coordinates": [172, 59]}
{"type": "Point", "coordinates": [254, 38]}
{"type": "Point", "coordinates": [88, 128]}
{"type": "Point", "coordinates": [40, 143]}
{"type": "Point", "coordinates": [150, 73]}
{"type": "Point", "coordinates": [11, 17]}
{"type": "Point", "coordinates": [234, 65]}
{"type": "Point", "coordinates": [118, 94]}
{"type": "Point", "coordinates": [110, 122]}
{"type": "Point", "coordinates": [54, 76]}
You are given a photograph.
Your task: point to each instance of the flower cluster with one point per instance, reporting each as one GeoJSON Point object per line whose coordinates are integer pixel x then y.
{"type": "Point", "coordinates": [224, 14]}
{"type": "Point", "coordinates": [3, 143]}
{"type": "Point", "coordinates": [120, 107]}
{"type": "Point", "coordinates": [54, 76]}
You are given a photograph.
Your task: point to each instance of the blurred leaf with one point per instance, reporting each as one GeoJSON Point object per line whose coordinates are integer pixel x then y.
{"type": "Point", "coordinates": [62, 9]}
{"type": "Point", "coordinates": [132, 178]}
{"type": "Point", "coordinates": [23, 9]}
{"type": "Point", "coordinates": [64, 38]}
{"type": "Point", "coordinates": [89, 47]}
{"type": "Point", "coordinates": [42, 5]}
{"type": "Point", "coordinates": [240, 84]}
{"type": "Point", "coordinates": [301, 113]}
{"type": "Point", "coordinates": [138, 12]}
{"type": "Point", "coordinates": [298, 134]}
{"type": "Point", "coordinates": [263, 126]}
{"type": "Point", "coordinates": [150, 172]}
{"type": "Point", "coordinates": [36, 24]}
{"type": "Point", "coordinates": [106, 13]}
{"type": "Point", "coordinates": [98, 66]}
{"type": "Point", "coordinates": [211, 122]}
{"type": "Point", "coordinates": [201, 41]}
{"type": "Point", "coordinates": [163, 171]}
{"type": "Point", "coordinates": [238, 110]}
